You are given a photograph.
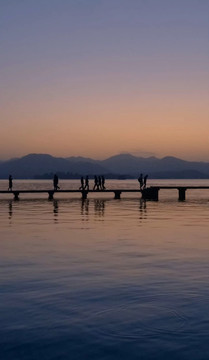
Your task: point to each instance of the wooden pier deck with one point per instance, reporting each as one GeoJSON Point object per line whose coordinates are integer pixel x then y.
{"type": "Point", "coordinates": [150, 193]}
{"type": "Point", "coordinates": [84, 193]}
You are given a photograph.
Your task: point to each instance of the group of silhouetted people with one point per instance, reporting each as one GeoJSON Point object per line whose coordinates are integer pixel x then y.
{"type": "Point", "coordinates": [142, 181]}
{"type": "Point", "coordinates": [99, 183]}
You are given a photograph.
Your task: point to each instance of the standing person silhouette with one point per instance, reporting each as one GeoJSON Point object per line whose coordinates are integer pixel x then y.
{"type": "Point", "coordinates": [55, 182]}
{"type": "Point", "coordinates": [82, 183]}
{"type": "Point", "coordinates": [86, 187]}
{"type": "Point", "coordinates": [103, 183]}
{"type": "Point", "coordinates": [10, 183]}
{"type": "Point", "coordinates": [145, 182]}
{"type": "Point", "coordinates": [140, 180]}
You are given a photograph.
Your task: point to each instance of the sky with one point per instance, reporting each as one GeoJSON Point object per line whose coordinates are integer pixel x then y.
{"type": "Point", "coordinates": [97, 78]}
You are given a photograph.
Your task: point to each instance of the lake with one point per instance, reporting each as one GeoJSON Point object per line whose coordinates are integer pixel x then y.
{"type": "Point", "coordinates": [102, 278]}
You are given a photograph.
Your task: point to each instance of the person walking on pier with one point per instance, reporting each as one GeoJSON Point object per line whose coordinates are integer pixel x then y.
{"type": "Point", "coordinates": [140, 180]}
{"type": "Point", "coordinates": [99, 183]}
{"type": "Point", "coordinates": [95, 183]}
{"type": "Point", "coordinates": [86, 187]}
{"type": "Point", "coordinates": [82, 183]}
{"type": "Point", "coordinates": [10, 183]}
{"type": "Point", "coordinates": [55, 182]}
{"type": "Point", "coordinates": [103, 183]}
{"type": "Point", "coordinates": [145, 182]}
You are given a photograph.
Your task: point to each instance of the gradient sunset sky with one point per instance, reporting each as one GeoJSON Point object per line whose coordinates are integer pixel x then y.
{"type": "Point", "coordinates": [100, 77]}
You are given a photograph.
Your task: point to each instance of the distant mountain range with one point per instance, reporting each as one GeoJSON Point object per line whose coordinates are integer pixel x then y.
{"type": "Point", "coordinates": [119, 166]}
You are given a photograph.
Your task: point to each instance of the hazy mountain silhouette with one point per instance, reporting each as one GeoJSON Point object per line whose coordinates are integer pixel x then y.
{"type": "Point", "coordinates": [129, 164]}
{"type": "Point", "coordinates": [32, 164]}
{"type": "Point", "coordinates": [184, 174]}
{"type": "Point", "coordinates": [123, 165]}
{"type": "Point", "coordinates": [80, 159]}
{"type": "Point", "coordinates": [38, 164]}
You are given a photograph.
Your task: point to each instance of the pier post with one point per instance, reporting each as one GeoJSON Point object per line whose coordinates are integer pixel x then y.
{"type": "Point", "coordinates": [84, 194]}
{"type": "Point", "coordinates": [150, 193]}
{"type": "Point", "coordinates": [182, 193]}
{"type": "Point", "coordinates": [16, 195]}
{"type": "Point", "coordinates": [117, 194]}
{"type": "Point", "coordinates": [51, 194]}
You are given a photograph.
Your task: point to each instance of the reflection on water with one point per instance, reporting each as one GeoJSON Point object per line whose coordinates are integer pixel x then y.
{"type": "Point", "coordinates": [55, 209]}
{"type": "Point", "coordinates": [84, 209]}
{"type": "Point", "coordinates": [142, 209]}
{"type": "Point", "coordinates": [10, 209]}
{"type": "Point", "coordinates": [104, 279]}
{"type": "Point", "coordinates": [99, 207]}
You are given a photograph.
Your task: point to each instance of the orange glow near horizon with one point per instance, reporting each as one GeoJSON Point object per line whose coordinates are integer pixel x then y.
{"type": "Point", "coordinates": [97, 127]}
{"type": "Point", "coordinates": [122, 80]}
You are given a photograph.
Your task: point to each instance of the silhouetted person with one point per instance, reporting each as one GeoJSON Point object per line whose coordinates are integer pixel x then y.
{"type": "Point", "coordinates": [82, 183]}
{"type": "Point", "coordinates": [86, 187]}
{"type": "Point", "coordinates": [55, 181]}
{"type": "Point", "coordinates": [103, 183]}
{"type": "Point", "coordinates": [140, 180]}
{"type": "Point", "coordinates": [99, 183]}
{"type": "Point", "coordinates": [145, 182]}
{"type": "Point", "coordinates": [10, 183]}
{"type": "Point", "coordinates": [95, 183]}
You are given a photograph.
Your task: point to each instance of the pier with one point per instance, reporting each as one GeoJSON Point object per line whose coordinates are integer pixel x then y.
{"type": "Point", "coordinates": [84, 193]}
{"type": "Point", "coordinates": [150, 193]}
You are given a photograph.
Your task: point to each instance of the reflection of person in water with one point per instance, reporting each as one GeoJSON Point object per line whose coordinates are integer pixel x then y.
{"type": "Point", "coordinates": [55, 181]}
{"type": "Point", "coordinates": [55, 210]}
{"type": "Point", "coordinates": [10, 209]}
{"type": "Point", "coordinates": [99, 207]}
{"type": "Point", "coordinates": [10, 183]}
{"type": "Point", "coordinates": [142, 210]}
{"type": "Point", "coordinates": [56, 207]}
{"type": "Point", "coordinates": [85, 209]}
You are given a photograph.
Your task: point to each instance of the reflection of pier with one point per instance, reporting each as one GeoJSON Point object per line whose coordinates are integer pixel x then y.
{"type": "Point", "coordinates": [151, 193]}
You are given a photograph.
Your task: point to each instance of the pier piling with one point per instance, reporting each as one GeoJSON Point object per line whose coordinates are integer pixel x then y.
{"type": "Point", "coordinates": [117, 194]}
{"type": "Point", "coordinates": [150, 193]}
{"type": "Point", "coordinates": [16, 195]}
{"type": "Point", "coordinates": [51, 195]}
{"type": "Point", "coordinates": [182, 193]}
{"type": "Point", "coordinates": [84, 194]}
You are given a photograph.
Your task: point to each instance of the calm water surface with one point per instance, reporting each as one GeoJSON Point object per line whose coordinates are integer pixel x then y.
{"type": "Point", "coordinates": [104, 278]}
